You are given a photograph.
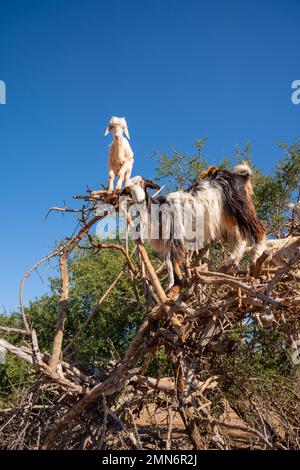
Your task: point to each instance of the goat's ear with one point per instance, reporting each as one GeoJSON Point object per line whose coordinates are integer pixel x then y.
{"type": "Point", "coordinates": [107, 130]}
{"type": "Point", "coordinates": [151, 185]}
{"type": "Point", "coordinates": [126, 132]}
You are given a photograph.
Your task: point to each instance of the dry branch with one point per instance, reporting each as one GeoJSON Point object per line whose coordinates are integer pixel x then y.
{"type": "Point", "coordinates": [62, 312]}
{"type": "Point", "coordinates": [220, 278]}
{"type": "Point", "coordinates": [7, 329]}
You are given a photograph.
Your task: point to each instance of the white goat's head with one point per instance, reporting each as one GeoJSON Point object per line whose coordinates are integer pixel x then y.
{"type": "Point", "coordinates": [117, 125]}
{"type": "Point", "coordinates": [137, 189]}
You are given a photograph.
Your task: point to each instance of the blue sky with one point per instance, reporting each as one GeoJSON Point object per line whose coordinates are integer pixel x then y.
{"type": "Point", "coordinates": [178, 70]}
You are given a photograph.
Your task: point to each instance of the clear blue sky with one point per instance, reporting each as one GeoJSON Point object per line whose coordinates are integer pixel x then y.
{"type": "Point", "coordinates": [178, 70]}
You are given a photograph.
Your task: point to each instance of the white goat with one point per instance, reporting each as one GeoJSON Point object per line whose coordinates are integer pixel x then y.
{"type": "Point", "coordinates": [225, 199]}
{"type": "Point", "coordinates": [282, 250]}
{"type": "Point", "coordinates": [120, 161]}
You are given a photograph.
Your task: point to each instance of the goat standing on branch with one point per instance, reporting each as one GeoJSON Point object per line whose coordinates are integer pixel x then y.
{"type": "Point", "coordinates": [120, 161]}
{"type": "Point", "coordinates": [225, 199]}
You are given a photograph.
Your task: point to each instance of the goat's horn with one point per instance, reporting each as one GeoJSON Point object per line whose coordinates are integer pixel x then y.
{"type": "Point", "coordinates": [149, 184]}
{"type": "Point", "coordinates": [160, 190]}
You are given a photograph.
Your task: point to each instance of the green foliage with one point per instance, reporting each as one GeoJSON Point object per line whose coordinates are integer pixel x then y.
{"type": "Point", "coordinates": [260, 364]}
{"type": "Point", "coordinates": [111, 328]}
{"type": "Point", "coordinates": [118, 318]}
{"type": "Point", "coordinates": [273, 192]}
{"type": "Point", "coordinates": [114, 322]}
{"type": "Point", "coordinates": [160, 366]}
{"type": "Point", "coordinates": [260, 351]}
{"type": "Point", "coordinates": [179, 171]}
{"type": "Point", "coordinates": [14, 372]}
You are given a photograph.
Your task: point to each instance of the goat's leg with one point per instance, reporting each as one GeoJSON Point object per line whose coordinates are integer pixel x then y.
{"type": "Point", "coordinates": [175, 274]}
{"type": "Point", "coordinates": [120, 182]}
{"type": "Point", "coordinates": [111, 179]}
{"type": "Point", "coordinates": [178, 278]}
{"type": "Point", "coordinates": [200, 254]}
{"type": "Point", "coordinates": [237, 252]}
{"type": "Point", "coordinates": [126, 167]}
{"type": "Point", "coordinates": [127, 176]}
{"type": "Point", "coordinates": [170, 271]}
{"type": "Point", "coordinates": [257, 251]}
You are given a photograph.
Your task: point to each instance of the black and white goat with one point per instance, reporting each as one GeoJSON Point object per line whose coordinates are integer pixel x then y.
{"type": "Point", "coordinates": [224, 200]}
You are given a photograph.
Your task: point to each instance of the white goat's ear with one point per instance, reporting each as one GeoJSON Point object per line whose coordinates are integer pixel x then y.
{"type": "Point", "coordinates": [126, 132]}
{"type": "Point", "coordinates": [107, 130]}
{"type": "Point", "coordinates": [135, 180]}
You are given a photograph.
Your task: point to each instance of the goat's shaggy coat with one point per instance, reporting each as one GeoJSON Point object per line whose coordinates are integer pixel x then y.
{"type": "Point", "coordinates": [226, 200]}
{"type": "Point", "coordinates": [236, 193]}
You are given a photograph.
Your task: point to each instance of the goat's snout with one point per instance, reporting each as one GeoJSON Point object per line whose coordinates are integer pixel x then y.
{"type": "Point", "coordinates": [138, 194]}
{"type": "Point", "coordinates": [137, 188]}
{"type": "Point", "coordinates": [118, 133]}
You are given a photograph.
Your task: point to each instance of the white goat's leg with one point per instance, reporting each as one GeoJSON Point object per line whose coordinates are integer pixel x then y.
{"type": "Point", "coordinates": [236, 254]}
{"type": "Point", "coordinates": [111, 179]}
{"type": "Point", "coordinates": [119, 184]}
{"type": "Point", "coordinates": [120, 180]}
{"type": "Point", "coordinates": [257, 251]}
{"type": "Point", "coordinates": [126, 167]}
{"type": "Point", "coordinates": [127, 177]}
{"type": "Point", "coordinates": [170, 271]}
